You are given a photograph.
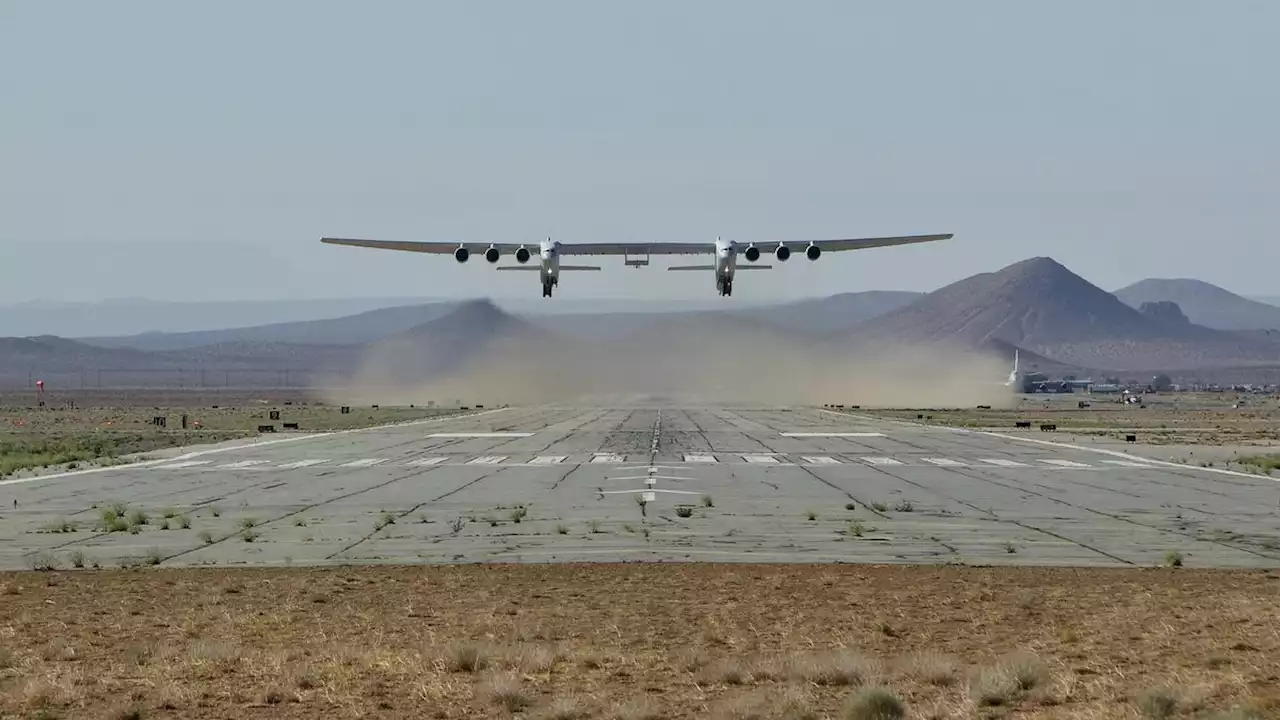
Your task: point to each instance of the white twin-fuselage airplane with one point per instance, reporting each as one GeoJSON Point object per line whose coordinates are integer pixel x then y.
{"type": "Point", "coordinates": [724, 265]}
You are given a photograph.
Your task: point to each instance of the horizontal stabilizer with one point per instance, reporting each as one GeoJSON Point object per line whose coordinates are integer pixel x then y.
{"type": "Point", "coordinates": [692, 267]}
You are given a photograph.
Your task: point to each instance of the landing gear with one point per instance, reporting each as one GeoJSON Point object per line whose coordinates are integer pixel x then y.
{"type": "Point", "coordinates": [547, 285]}
{"type": "Point", "coordinates": [726, 288]}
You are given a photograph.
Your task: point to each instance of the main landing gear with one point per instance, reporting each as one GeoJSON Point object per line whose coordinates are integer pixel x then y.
{"type": "Point", "coordinates": [726, 287]}
{"type": "Point", "coordinates": [547, 285]}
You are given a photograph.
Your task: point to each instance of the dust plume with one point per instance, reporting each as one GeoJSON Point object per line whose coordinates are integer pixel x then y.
{"type": "Point", "coordinates": [704, 360]}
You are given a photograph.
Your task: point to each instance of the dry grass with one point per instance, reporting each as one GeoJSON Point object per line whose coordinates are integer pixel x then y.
{"type": "Point", "coordinates": [635, 642]}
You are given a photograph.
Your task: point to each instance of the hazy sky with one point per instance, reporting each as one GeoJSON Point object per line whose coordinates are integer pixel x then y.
{"type": "Point", "coordinates": [200, 150]}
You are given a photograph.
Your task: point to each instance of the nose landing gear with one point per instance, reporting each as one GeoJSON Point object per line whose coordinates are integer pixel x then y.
{"type": "Point", "coordinates": [726, 287]}
{"type": "Point", "coordinates": [547, 285]}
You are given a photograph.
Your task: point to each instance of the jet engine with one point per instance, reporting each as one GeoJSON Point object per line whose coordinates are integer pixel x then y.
{"type": "Point", "coordinates": [812, 252]}
{"type": "Point", "coordinates": [492, 254]}
{"type": "Point", "coordinates": [522, 255]}
{"type": "Point", "coordinates": [752, 253]}
{"type": "Point", "coordinates": [782, 253]}
{"type": "Point", "coordinates": [461, 254]}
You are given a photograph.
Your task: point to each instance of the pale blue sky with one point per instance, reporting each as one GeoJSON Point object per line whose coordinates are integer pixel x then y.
{"type": "Point", "coordinates": [203, 148]}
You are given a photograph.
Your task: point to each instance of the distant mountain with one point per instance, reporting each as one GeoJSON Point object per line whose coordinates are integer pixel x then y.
{"type": "Point", "coordinates": [1267, 299]}
{"type": "Point", "coordinates": [1204, 304]}
{"type": "Point", "coordinates": [132, 316]}
{"type": "Point", "coordinates": [1042, 306]}
{"type": "Point", "coordinates": [346, 330]}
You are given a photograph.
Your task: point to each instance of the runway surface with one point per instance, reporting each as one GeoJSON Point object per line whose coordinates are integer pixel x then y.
{"type": "Point", "coordinates": [726, 484]}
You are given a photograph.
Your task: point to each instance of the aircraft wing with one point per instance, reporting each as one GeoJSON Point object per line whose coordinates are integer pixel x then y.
{"type": "Point", "coordinates": [860, 243]}
{"type": "Point", "coordinates": [658, 248]}
{"type": "Point", "coordinates": [438, 248]}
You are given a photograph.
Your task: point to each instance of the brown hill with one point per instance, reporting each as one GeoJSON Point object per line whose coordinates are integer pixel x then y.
{"type": "Point", "coordinates": [1042, 306]}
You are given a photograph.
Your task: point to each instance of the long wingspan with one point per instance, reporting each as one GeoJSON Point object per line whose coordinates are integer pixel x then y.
{"type": "Point", "coordinates": [422, 247]}
{"type": "Point", "coordinates": [658, 248]}
{"type": "Point", "coordinates": [863, 243]}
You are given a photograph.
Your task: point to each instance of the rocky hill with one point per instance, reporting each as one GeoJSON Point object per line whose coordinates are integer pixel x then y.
{"type": "Point", "coordinates": [1204, 304]}
{"type": "Point", "coordinates": [1042, 306]}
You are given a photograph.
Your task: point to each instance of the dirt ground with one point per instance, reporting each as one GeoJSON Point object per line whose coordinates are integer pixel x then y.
{"type": "Point", "coordinates": [639, 641]}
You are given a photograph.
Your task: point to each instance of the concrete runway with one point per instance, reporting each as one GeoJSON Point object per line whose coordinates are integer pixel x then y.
{"type": "Point", "coordinates": [784, 485]}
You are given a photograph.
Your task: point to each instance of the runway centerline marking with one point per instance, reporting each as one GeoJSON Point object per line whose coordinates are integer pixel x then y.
{"type": "Point", "coordinates": [1065, 463]}
{"type": "Point", "coordinates": [944, 462]}
{"type": "Point", "coordinates": [1003, 462]}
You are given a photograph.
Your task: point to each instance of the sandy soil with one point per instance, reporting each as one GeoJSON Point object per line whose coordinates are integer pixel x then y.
{"type": "Point", "coordinates": [637, 641]}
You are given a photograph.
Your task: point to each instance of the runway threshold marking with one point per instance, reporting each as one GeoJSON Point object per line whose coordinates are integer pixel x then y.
{"type": "Point", "coordinates": [1065, 463]}
{"type": "Point", "coordinates": [548, 460]}
{"type": "Point", "coordinates": [881, 461]}
{"type": "Point", "coordinates": [301, 464]}
{"type": "Point", "coordinates": [421, 462]}
{"type": "Point", "coordinates": [183, 464]}
{"type": "Point", "coordinates": [831, 434]}
{"type": "Point", "coordinates": [487, 460]}
{"type": "Point", "coordinates": [364, 462]}
{"type": "Point", "coordinates": [480, 435]}
{"type": "Point", "coordinates": [608, 458]}
{"type": "Point", "coordinates": [1130, 463]}
{"type": "Point", "coordinates": [701, 458]}
{"type": "Point", "coordinates": [245, 446]}
{"type": "Point", "coordinates": [944, 462]}
{"type": "Point", "coordinates": [761, 459]}
{"type": "Point", "coordinates": [1003, 462]}
{"type": "Point", "coordinates": [820, 460]}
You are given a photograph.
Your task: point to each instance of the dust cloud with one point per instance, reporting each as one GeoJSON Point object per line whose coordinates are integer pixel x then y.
{"type": "Point", "coordinates": [676, 362]}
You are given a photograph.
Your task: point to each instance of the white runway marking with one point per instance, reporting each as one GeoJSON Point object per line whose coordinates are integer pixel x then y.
{"type": "Point", "coordinates": [761, 459]}
{"type": "Point", "coordinates": [831, 434]}
{"type": "Point", "coordinates": [488, 460]}
{"type": "Point", "coordinates": [242, 464]}
{"type": "Point", "coordinates": [548, 460]}
{"type": "Point", "coordinates": [183, 464]}
{"type": "Point", "coordinates": [1002, 462]}
{"type": "Point", "coordinates": [700, 458]}
{"type": "Point", "coordinates": [480, 434]}
{"type": "Point", "coordinates": [301, 464]}
{"type": "Point", "coordinates": [420, 462]}
{"type": "Point", "coordinates": [820, 460]}
{"type": "Point", "coordinates": [881, 461]}
{"type": "Point", "coordinates": [1130, 463]}
{"type": "Point", "coordinates": [243, 446]}
{"type": "Point", "coordinates": [607, 458]}
{"type": "Point", "coordinates": [944, 462]}
{"type": "Point", "coordinates": [366, 462]}
{"type": "Point", "coordinates": [1065, 463]}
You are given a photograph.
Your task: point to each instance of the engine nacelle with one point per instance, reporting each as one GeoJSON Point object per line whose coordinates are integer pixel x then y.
{"type": "Point", "coordinates": [813, 252]}
{"type": "Point", "coordinates": [522, 255]}
{"type": "Point", "coordinates": [461, 254]}
{"type": "Point", "coordinates": [752, 253]}
{"type": "Point", "coordinates": [782, 253]}
{"type": "Point", "coordinates": [492, 254]}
